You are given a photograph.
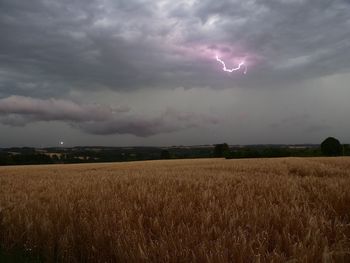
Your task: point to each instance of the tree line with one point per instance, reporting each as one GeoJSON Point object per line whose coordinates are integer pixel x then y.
{"type": "Point", "coordinates": [22, 156]}
{"type": "Point", "coordinates": [329, 147]}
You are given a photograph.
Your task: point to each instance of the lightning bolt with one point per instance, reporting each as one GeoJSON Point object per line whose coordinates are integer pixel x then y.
{"type": "Point", "coordinates": [240, 65]}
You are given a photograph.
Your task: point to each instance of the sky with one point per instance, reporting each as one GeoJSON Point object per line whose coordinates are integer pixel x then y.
{"type": "Point", "coordinates": [144, 72]}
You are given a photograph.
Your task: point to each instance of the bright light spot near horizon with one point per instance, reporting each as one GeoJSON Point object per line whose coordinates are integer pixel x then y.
{"type": "Point", "coordinates": [61, 142]}
{"type": "Point", "coordinates": [240, 65]}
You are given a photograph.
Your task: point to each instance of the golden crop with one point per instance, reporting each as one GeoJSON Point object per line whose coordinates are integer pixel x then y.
{"type": "Point", "coordinates": [208, 210]}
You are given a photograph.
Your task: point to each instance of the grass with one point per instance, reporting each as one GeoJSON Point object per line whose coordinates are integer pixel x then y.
{"type": "Point", "coordinates": [208, 210]}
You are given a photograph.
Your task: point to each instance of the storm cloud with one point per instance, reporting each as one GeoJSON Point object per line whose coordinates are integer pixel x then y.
{"type": "Point", "coordinates": [94, 119]}
{"type": "Point", "coordinates": [87, 51]}
{"type": "Point", "coordinates": [49, 47]}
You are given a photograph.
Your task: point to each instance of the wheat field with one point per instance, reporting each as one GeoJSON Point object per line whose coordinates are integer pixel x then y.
{"type": "Point", "coordinates": [207, 210]}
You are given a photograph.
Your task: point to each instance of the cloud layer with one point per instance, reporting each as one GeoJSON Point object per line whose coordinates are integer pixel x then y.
{"type": "Point", "coordinates": [95, 119]}
{"type": "Point", "coordinates": [51, 47]}
{"type": "Point", "coordinates": [59, 58]}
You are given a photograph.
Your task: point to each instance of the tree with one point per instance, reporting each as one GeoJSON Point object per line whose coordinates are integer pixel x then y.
{"type": "Point", "coordinates": [331, 147]}
{"type": "Point", "coordinates": [346, 148]}
{"type": "Point", "coordinates": [164, 154]}
{"type": "Point", "coordinates": [221, 150]}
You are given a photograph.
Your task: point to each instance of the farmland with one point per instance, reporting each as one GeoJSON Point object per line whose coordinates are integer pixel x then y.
{"type": "Point", "coordinates": [205, 210]}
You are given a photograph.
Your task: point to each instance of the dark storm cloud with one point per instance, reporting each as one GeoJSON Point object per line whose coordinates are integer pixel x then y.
{"type": "Point", "coordinates": [295, 40]}
{"type": "Point", "coordinates": [54, 52]}
{"type": "Point", "coordinates": [61, 43]}
{"type": "Point", "coordinates": [53, 109]}
{"type": "Point", "coordinates": [95, 119]}
{"type": "Point", "coordinates": [50, 47]}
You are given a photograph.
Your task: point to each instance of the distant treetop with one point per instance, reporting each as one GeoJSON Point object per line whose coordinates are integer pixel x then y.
{"type": "Point", "coordinates": [331, 147]}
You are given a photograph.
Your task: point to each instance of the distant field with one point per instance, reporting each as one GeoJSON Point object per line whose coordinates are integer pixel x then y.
{"type": "Point", "coordinates": [207, 210]}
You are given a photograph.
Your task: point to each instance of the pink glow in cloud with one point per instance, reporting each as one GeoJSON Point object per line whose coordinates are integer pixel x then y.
{"type": "Point", "coordinates": [230, 58]}
{"type": "Point", "coordinates": [230, 70]}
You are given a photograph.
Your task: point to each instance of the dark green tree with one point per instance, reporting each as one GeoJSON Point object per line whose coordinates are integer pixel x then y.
{"type": "Point", "coordinates": [221, 150]}
{"type": "Point", "coordinates": [331, 147]}
{"type": "Point", "coordinates": [164, 154]}
{"type": "Point", "coordinates": [346, 149]}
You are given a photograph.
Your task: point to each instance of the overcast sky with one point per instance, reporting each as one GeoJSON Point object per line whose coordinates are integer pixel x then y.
{"type": "Point", "coordinates": [144, 72]}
